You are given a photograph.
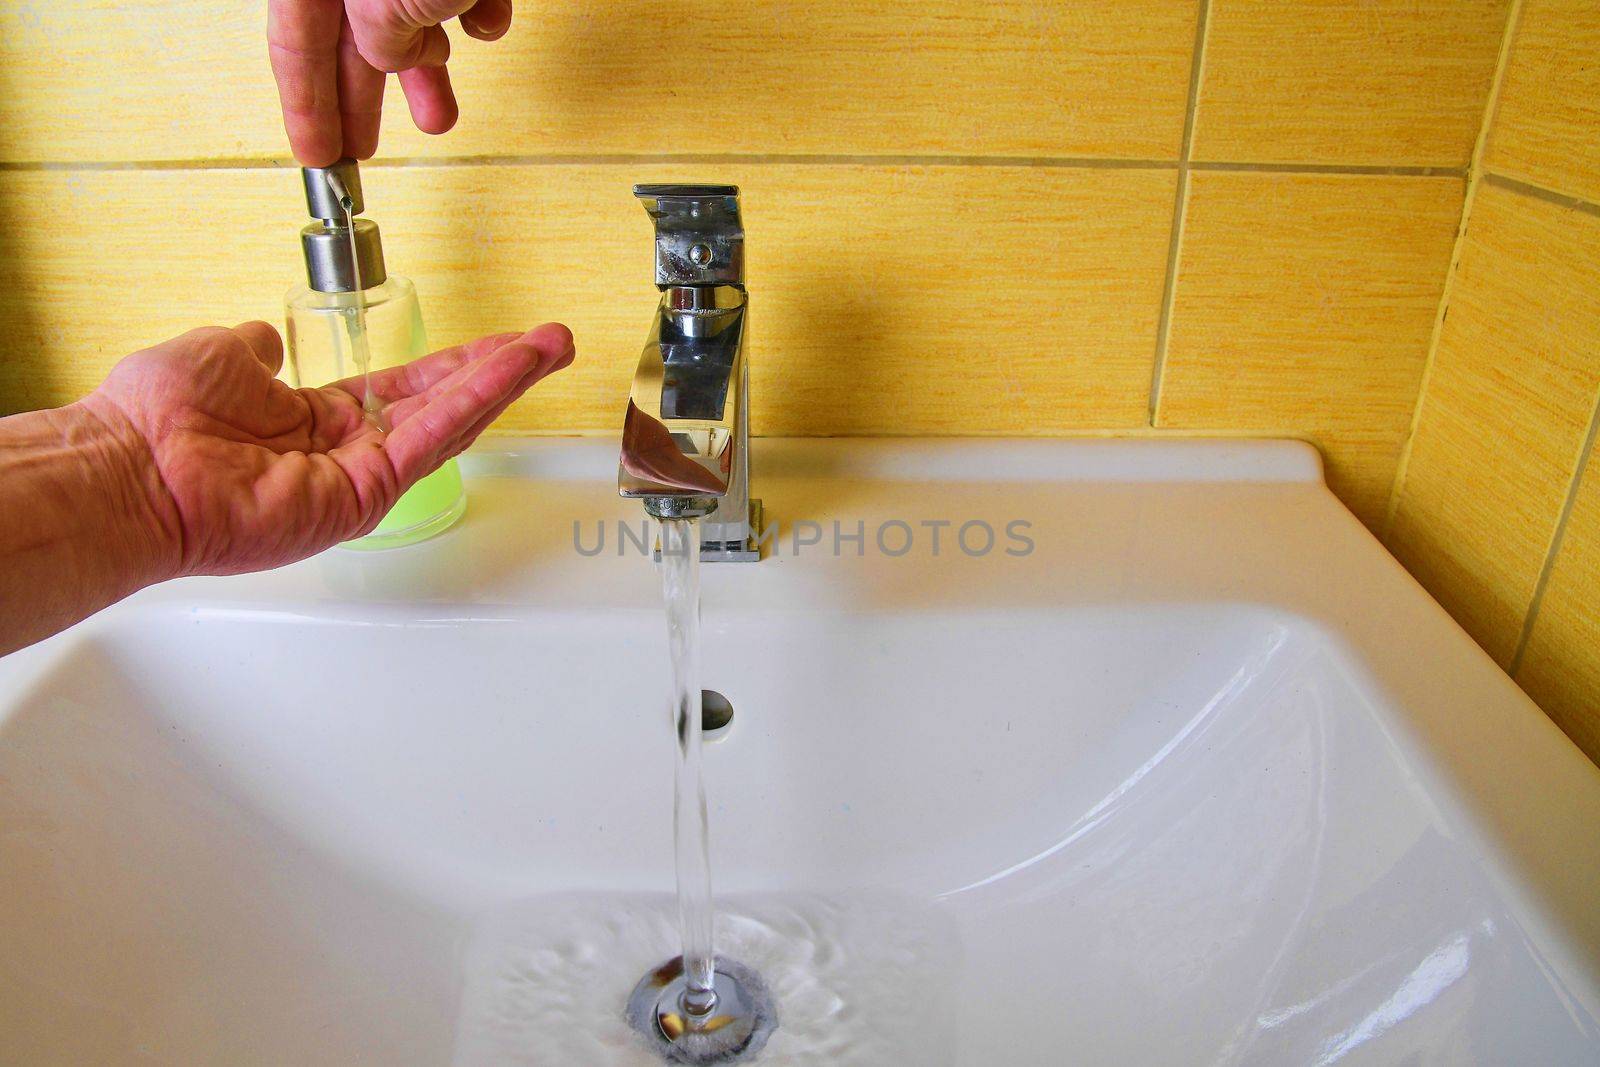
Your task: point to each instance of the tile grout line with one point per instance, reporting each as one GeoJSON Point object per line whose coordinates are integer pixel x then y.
{"type": "Point", "coordinates": [558, 159]}
{"type": "Point", "coordinates": [1376, 169]}
{"type": "Point", "coordinates": [1474, 177]}
{"type": "Point", "coordinates": [1579, 469]}
{"type": "Point", "coordinates": [1540, 192]}
{"type": "Point", "coordinates": [1169, 295]}
{"type": "Point", "coordinates": [1180, 211]}
{"type": "Point", "coordinates": [742, 159]}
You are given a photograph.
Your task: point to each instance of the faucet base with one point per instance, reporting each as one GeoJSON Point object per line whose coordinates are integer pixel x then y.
{"type": "Point", "coordinates": [715, 550]}
{"type": "Point", "coordinates": [679, 507]}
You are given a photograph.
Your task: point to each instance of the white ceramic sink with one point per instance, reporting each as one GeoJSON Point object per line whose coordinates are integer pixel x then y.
{"type": "Point", "coordinates": [1203, 778]}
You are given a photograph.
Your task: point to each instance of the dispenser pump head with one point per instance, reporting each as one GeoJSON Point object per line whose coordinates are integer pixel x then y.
{"type": "Point", "coordinates": [332, 191]}
{"type": "Point", "coordinates": [343, 253]}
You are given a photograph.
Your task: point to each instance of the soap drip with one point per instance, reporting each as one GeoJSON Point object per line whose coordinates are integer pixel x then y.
{"type": "Point", "coordinates": [355, 316]}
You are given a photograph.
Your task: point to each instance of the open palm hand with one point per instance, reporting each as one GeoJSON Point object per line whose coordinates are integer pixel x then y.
{"type": "Point", "coordinates": [250, 473]}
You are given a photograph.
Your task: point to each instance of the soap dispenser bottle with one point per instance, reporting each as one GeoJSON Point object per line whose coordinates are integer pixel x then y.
{"type": "Point", "coordinates": [352, 317]}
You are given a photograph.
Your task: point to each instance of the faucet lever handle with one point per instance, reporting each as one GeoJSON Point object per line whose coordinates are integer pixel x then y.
{"type": "Point", "coordinates": [699, 234]}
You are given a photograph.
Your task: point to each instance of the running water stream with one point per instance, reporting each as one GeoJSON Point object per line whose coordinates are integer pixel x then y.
{"type": "Point", "coordinates": [695, 1008]}
{"type": "Point", "coordinates": [680, 590]}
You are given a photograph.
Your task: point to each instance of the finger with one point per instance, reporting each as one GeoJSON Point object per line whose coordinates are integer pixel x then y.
{"type": "Point", "coordinates": [547, 365]}
{"type": "Point", "coordinates": [487, 20]}
{"type": "Point", "coordinates": [430, 97]}
{"type": "Point", "coordinates": [302, 40]}
{"type": "Point", "coordinates": [418, 376]}
{"type": "Point", "coordinates": [550, 345]}
{"type": "Point", "coordinates": [547, 368]}
{"type": "Point", "coordinates": [264, 343]}
{"type": "Point", "coordinates": [473, 432]}
{"type": "Point", "coordinates": [360, 98]}
{"type": "Point", "coordinates": [421, 442]}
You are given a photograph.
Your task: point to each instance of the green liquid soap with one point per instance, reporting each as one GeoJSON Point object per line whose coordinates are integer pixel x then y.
{"type": "Point", "coordinates": [430, 507]}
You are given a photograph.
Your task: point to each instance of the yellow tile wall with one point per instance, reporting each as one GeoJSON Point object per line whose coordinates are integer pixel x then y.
{"type": "Point", "coordinates": [116, 80]}
{"type": "Point", "coordinates": [1559, 667]}
{"type": "Point", "coordinates": [1305, 302]}
{"type": "Point", "coordinates": [1547, 122]}
{"type": "Point", "coordinates": [1124, 216]}
{"type": "Point", "coordinates": [945, 200]}
{"type": "Point", "coordinates": [885, 299]}
{"type": "Point", "coordinates": [1320, 81]}
{"type": "Point", "coordinates": [1497, 506]}
{"type": "Point", "coordinates": [1509, 403]}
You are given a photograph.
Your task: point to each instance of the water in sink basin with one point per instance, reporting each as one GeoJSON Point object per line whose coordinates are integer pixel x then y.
{"type": "Point", "coordinates": [862, 979]}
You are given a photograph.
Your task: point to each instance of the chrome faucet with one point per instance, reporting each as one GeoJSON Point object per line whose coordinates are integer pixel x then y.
{"type": "Point", "coordinates": [686, 435]}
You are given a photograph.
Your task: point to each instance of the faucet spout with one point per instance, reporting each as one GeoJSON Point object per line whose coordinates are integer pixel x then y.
{"type": "Point", "coordinates": [685, 435]}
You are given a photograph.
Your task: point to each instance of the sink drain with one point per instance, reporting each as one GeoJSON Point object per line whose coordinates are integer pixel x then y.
{"type": "Point", "coordinates": [736, 1027]}
{"type": "Point", "coordinates": [716, 714]}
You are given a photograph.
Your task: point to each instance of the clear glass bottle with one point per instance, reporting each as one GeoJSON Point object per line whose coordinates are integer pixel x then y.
{"type": "Point", "coordinates": [354, 316]}
{"type": "Point", "coordinates": [324, 331]}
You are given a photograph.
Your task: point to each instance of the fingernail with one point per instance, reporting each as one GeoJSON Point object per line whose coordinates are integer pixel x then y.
{"type": "Point", "coordinates": [488, 18]}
